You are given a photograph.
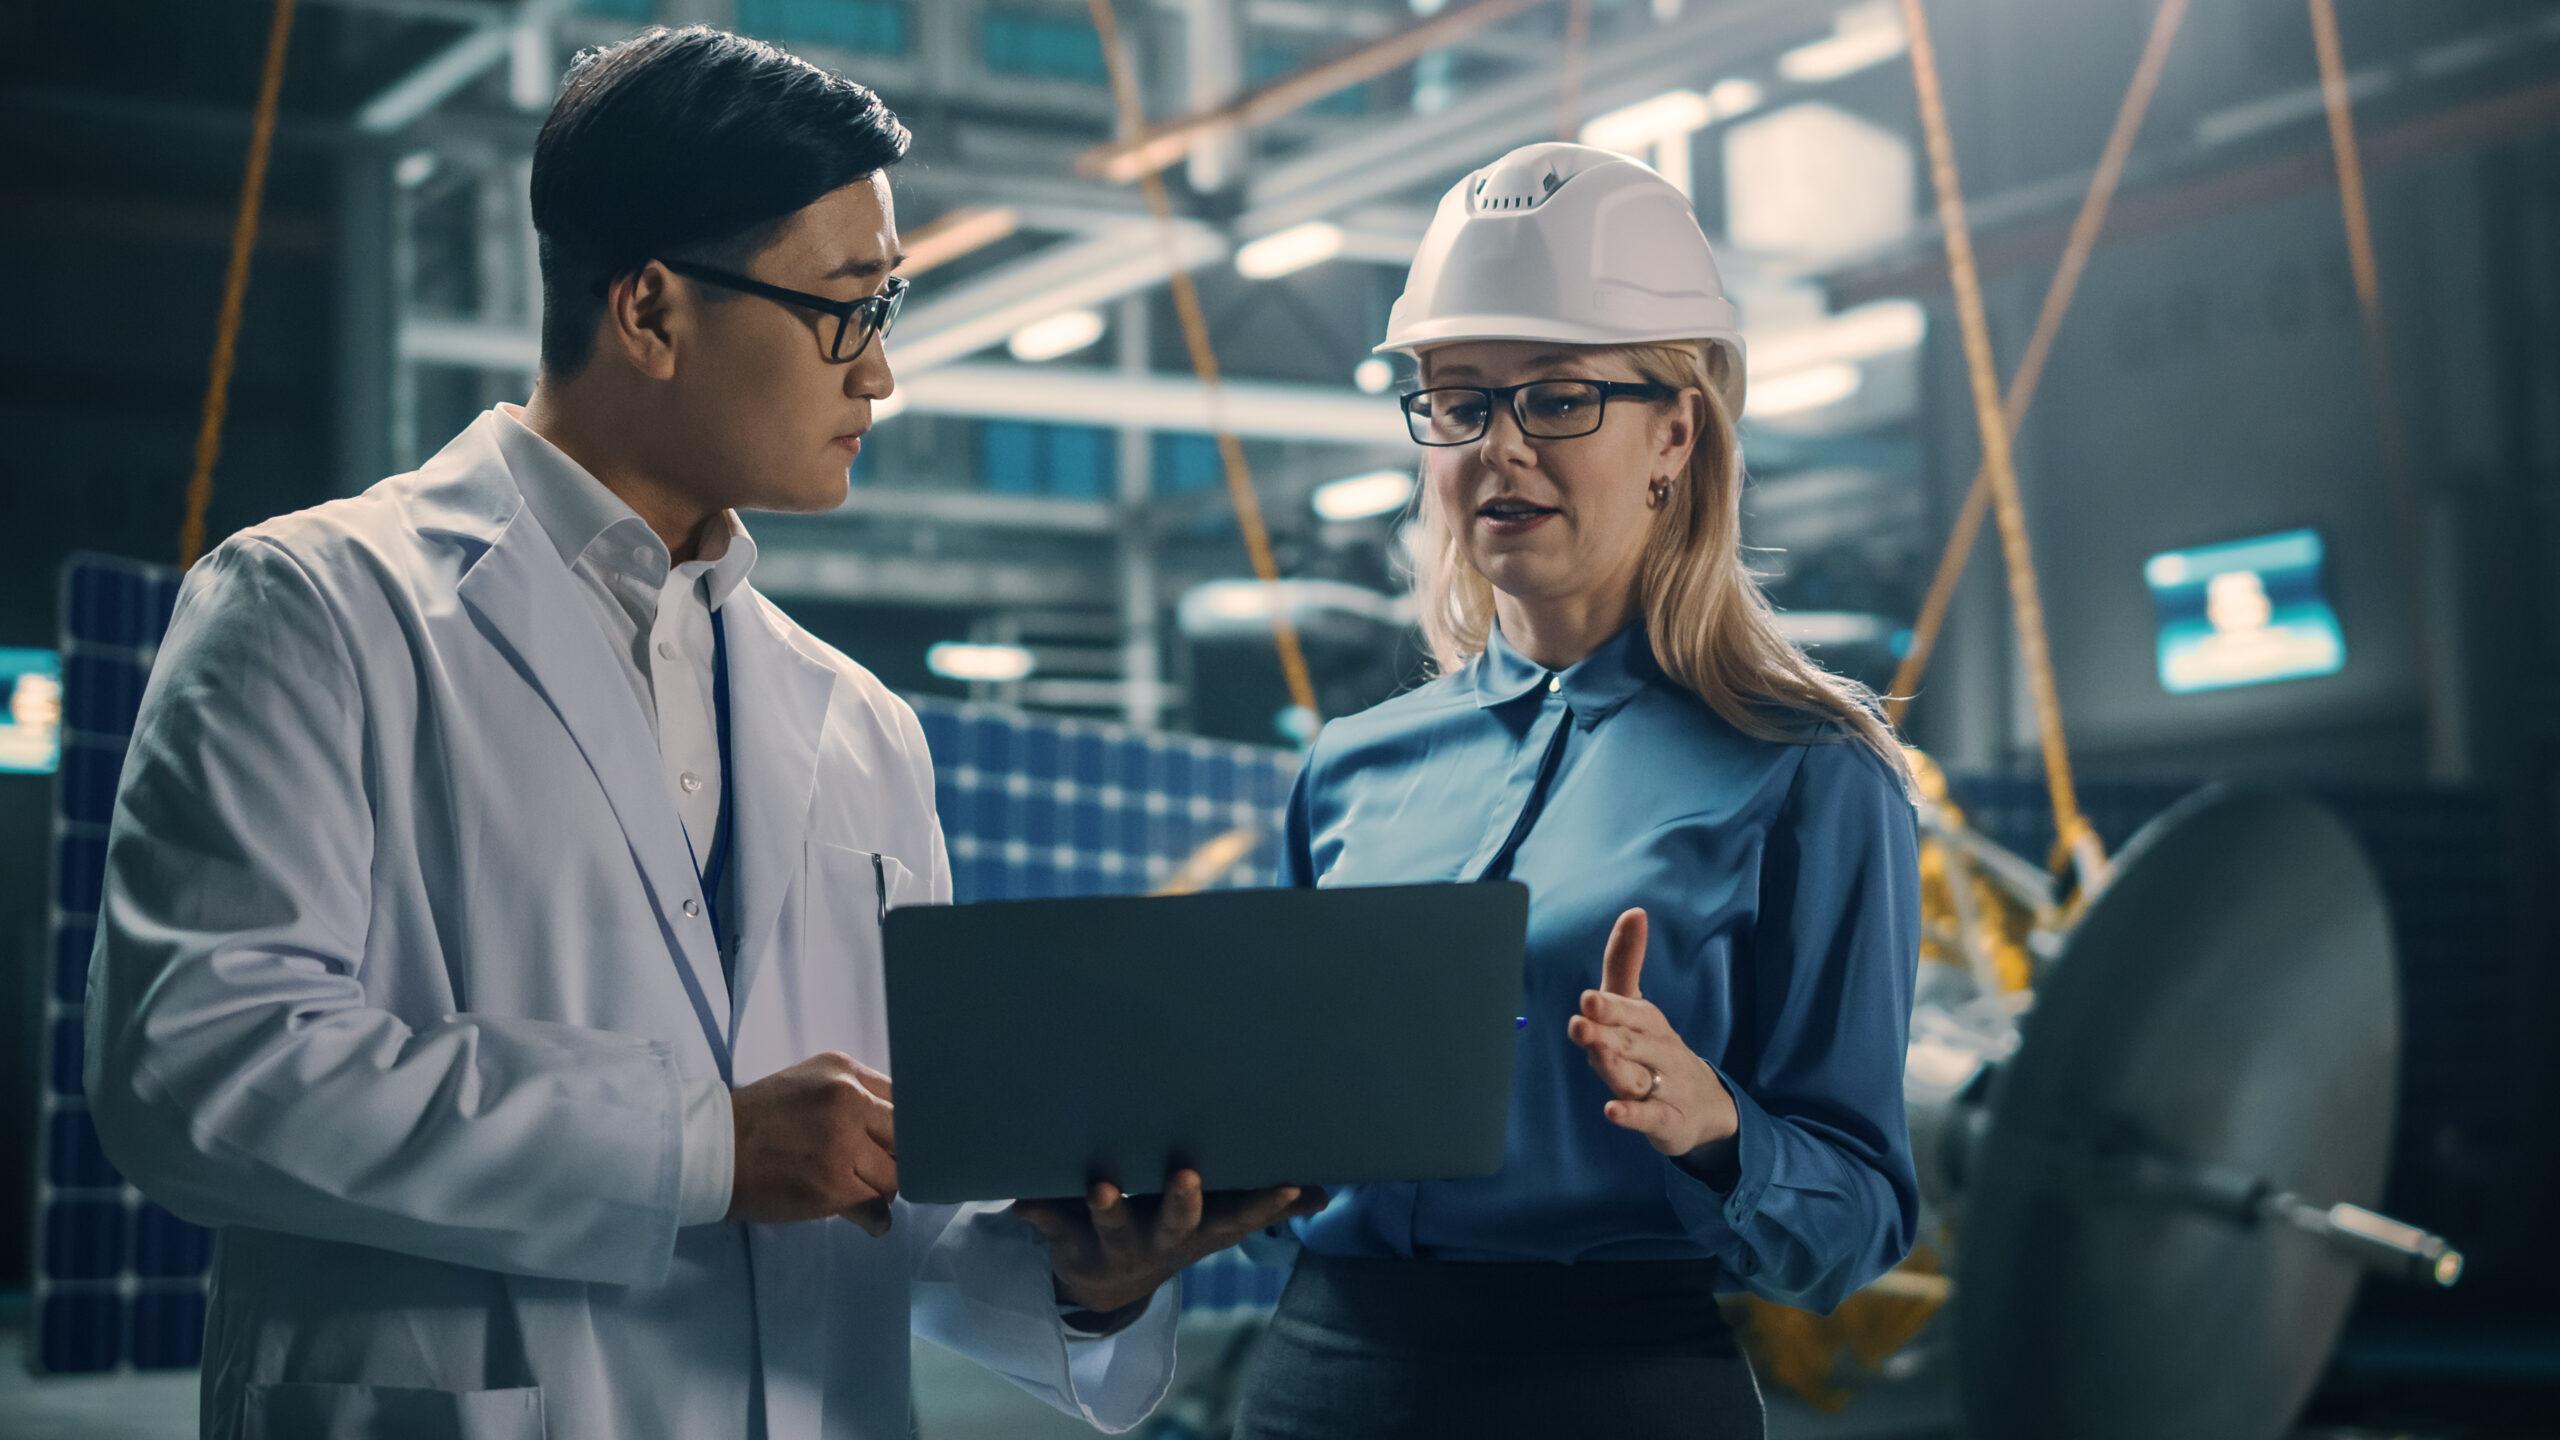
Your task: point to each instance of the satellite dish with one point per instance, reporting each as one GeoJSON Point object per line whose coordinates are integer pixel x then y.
{"type": "Point", "coordinates": [2219, 1038]}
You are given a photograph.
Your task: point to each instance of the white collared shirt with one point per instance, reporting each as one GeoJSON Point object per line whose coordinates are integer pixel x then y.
{"type": "Point", "coordinates": [656, 618]}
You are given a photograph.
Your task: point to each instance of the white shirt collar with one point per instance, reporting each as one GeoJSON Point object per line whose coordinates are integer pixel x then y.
{"type": "Point", "coordinates": [578, 512]}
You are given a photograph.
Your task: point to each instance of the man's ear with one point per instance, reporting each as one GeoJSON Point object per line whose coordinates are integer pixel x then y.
{"type": "Point", "coordinates": [643, 316]}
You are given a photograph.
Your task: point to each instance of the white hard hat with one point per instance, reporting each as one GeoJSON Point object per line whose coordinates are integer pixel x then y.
{"type": "Point", "coordinates": [1566, 243]}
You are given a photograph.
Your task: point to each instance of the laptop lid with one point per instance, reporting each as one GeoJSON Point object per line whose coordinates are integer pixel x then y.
{"type": "Point", "coordinates": [1265, 1037]}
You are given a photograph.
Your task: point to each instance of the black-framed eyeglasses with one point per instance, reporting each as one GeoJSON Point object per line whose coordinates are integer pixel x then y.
{"type": "Point", "coordinates": [857, 321]}
{"type": "Point", "coordinates": [1546, 409]}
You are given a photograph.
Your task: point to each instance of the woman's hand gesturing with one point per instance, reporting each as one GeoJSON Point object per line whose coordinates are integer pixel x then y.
{"type": "Point", "coordinates": [1664, 1091]}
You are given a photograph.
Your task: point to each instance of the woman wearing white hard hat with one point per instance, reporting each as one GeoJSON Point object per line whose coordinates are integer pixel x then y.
{"type": "Point", "coordinates": [1715, 832]}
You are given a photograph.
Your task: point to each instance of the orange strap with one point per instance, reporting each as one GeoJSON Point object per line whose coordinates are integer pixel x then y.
{"type": "Point", "coordinates": [2386, 406]}
{"type": "Point", "coordinates": [2026, 606]}
{"type": "Point", "coordinates": [235, 289]}
{"type": "Point", "coordinates": [2022, 386]}
{"type": "Point", "coordinates": [1204, 362]}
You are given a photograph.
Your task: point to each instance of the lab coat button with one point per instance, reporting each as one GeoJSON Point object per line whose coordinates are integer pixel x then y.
{"type": "Point", "coordinates": [690, 781]}
{"type": "Point", "coordinates": [666, 650]}
{"type": "Point", "coordinates": [692, 909]}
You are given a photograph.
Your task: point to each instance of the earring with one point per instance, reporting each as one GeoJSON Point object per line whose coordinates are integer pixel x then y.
{"type": "Point", "coordinates": [1660, 493]}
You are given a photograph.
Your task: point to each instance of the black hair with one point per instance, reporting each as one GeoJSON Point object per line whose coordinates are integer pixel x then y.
{"type": "Point", "coordinates": [691, 144]}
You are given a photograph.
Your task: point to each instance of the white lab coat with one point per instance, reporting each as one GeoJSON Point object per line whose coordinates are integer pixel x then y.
{"type": "Point", "coordinates": [395, 987]}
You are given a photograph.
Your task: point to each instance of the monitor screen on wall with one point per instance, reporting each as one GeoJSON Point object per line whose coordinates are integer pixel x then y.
{"type": "Point", "coordinates": [2246, 612]}
{"type": "Point", "coordinates": [31, 718]}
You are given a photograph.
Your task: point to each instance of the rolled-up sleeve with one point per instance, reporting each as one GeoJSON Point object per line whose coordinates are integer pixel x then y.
{"type": "Point", "coordinates": [1823, 1196]}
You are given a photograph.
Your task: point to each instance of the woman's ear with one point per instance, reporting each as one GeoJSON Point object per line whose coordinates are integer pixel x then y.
{"type": "Point", "coordinates": [1676, 434]}
{"type": "Point", "coordinates": [641, 319]}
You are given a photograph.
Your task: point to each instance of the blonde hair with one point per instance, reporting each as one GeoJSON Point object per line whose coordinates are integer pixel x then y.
{"type": "Point", "coordinates": [1712, 629]}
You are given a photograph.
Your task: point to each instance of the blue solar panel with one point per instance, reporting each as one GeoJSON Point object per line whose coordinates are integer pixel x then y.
{"type": "Point", "coordinates": [94, 1230]}
{"type": "Point", "coordinates": [1029, 806]}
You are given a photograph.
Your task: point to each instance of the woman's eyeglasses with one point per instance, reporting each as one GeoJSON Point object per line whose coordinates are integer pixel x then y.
{"type": "Point", "coordinates": [1546, 409]}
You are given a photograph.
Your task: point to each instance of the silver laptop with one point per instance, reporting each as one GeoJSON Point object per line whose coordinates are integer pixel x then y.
{"type": "Point", "coordinates": [1264, 1037]}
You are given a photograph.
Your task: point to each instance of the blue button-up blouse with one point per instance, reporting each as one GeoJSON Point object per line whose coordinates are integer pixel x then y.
{"type": "Point", "coordinates": [1782, 885]}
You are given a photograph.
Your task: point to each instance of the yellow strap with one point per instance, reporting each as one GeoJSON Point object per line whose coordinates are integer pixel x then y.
{"type": "Point", "coordinates": [1204, 362]}
{"type": "Point", "coordinates": [2026, 607]}
{"type": "Point", "coordinates": [2022, 386]}
{"type": "Point", "coordinates": [235, 289]}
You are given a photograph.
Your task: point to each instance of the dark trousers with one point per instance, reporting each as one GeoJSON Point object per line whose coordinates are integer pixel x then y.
{"type": "Point", "coordinates": [1380, 1348]}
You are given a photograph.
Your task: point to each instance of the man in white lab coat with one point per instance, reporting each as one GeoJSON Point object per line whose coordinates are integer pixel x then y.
{"type": "Point", "coordinates": [425, 971]}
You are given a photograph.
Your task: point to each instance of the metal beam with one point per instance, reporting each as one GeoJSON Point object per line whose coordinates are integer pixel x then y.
{"type": "Point", "coordinates": [1441, 146]}
{"type": "Point", "coordinates": [980, 510]}
{"type": "Point", "coordinates": [2027, 224]}
{"type": "Point", "coordinates": [947, 582]}
{"type": "Point", "coordinates": [1071, 275]}
{"type": "Point", "coordinates": [456, 12]}
{"type": "Point", "coordinates": [460, 63]}
{"type": "Point", "coordinates": [1162, 145]}
{"type": "Point", "coordinates": [1057, 394]}
{"type": "Point", "coordinates": [470, 344]}
{"type": "Point", "coordinates": [1066, 395]}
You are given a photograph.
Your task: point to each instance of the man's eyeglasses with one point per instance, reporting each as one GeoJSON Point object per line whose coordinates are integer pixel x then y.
{"type": "Point", "coordinates": [857, 321]}
{"type": "Point", "coordinates": [1546, 409]}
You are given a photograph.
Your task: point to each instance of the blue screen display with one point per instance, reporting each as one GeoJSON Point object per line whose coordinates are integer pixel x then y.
{"type": "Point", "coordinates": [30, 711]}
{"type": "Point", "coordinates": [2244, 613]}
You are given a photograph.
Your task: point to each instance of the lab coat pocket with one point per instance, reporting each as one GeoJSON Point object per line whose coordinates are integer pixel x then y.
{"type": "Point", "coordinates": [298, 1411]}
{"type": "Point", "coordinates": [838, 987]}
{"type": "Point", "coordinates": [855, 880]}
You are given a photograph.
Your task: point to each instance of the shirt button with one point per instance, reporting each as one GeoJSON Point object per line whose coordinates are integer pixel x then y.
{"type": "Point", "coordinates": [690, 781]}
{"type": "Point", "coordinates": [640, 555]}
{"type": "Point", "coordinates": [1554, 683]}
{"type": "Point", "coordinates": [692, 909]}
{"type": "Point", "coordinates": [666, 649]}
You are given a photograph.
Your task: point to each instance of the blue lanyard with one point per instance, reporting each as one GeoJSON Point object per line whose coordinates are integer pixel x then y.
{"type": "Point", "coordinates": [715, 873]}
{"type": "Point", "coordinates": [1499, 868]}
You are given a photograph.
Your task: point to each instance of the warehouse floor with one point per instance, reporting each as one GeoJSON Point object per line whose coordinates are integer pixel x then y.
{"type": "Point", "coordinates": [958, 1401]}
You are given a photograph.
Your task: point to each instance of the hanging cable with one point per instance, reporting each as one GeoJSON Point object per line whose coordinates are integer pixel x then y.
{"type": "Point", "coordinates": [2030, 373]}
{"type": "Point", "coordinates": [1204, 362]}
{"type": "Point", "coordinates": [1577, 45]}
{"type": "Point", "coordinates": [235, 289]}
{"type": "Point", "coordinates": [2387, 418]}
{"type": "Point", "coordinates": [2071, 829]}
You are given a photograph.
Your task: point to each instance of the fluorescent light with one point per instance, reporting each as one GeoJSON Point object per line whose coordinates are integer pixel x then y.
{"type": "Point", "coordinates": [1800, 390]}
{"type": "Point", "coordinates": [1658, 130]}
{"type": "Point", "coordinates": [1061, 334]}
{"type": "Point", "coordinates": [1288, 251]}
{"type": "Point", "coordinates": [1358, 497]}
{"type": "Point", "coordinates": [414, 169]}
{"type": "Point", "coordinates": [1101, 395]}
{"type": "Point", "coordinates": [1674, 112]}
{"type": "Point", "coordinates": [1238, 609]}
{"type": "Point", "coordinates": [1833, 627]}
{"type": "Point", "coordinates": [1729, 98]}
{"type": "Point", "coordinates": [955, 661]}
{"type": "Point", "coordinates": [1373, 375]}
{"type": "Point", "coordinates": [1869, 332]}
{"type": "Point", "coordinates": [1233, 599]}
{"type": "Point", "coordinates": [1669, 116]}
{"type": "Point", "coordinates": [1867, 35]}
